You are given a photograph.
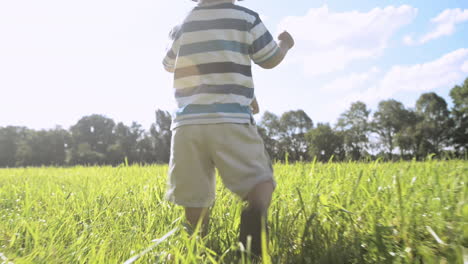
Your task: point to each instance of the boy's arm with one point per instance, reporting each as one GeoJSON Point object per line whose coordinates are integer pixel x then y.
{"type": "Point", "coordinates": [254, 106]}
{"type": "Point", "coordinates": [169, 69]}
{"type": "Point", "coordinates": [264, 50]}
{"type": "Point", "coordinates": [169, 59]}
{"type": "Point", "coordinates": [285, 43]}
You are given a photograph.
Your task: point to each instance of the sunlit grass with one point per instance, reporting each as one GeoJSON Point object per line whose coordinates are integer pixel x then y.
{"type": "Point", "coordinates": [405, 212]}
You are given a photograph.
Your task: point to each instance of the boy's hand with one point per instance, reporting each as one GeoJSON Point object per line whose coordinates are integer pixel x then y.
{"type": "Point", "coordinates": [254, 107]}
{"type": "Point", "coordinates": [285, 43]}
{"type": "Point", "coordinates": [286, 39]}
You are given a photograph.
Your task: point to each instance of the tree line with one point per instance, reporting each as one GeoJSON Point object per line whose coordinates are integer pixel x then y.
{"type": "Point", "coordinates": [93, 140]}
{"type": "Point", "coordinates": [392, 132]}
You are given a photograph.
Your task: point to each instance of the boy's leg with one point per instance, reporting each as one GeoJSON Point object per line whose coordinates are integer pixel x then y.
{"type": "Point", "coordinates": [239, 154]}
{"type": "Point", "coordinates": [260, 196]}
{"type": "Point", "coordinates": [191, 181]}
{"type": "Point", "coordinates": [195, 214]}
{"type": "Point", "coordinates": [254, 215]}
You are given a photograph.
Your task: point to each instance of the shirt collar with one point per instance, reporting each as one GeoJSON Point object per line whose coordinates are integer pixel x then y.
{"type": "Point", "coordinates": [215, 3]}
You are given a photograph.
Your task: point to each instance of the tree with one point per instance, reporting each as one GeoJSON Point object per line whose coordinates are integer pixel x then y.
{"type": "Point", "coordinates": [459, 95]}
{"type": "Point", "coordinates": [325, 143]}
{"type": "Point", "coordinates": [390, 118]}
{"type": "Point", "coordinates": [10, 141]}
{"type": "Point", "coordinates": [293, 127]}
{"type": "Point", "coordinates": [20, 146]}
{"type": "Point", "coordinates": [93, 135]}
{"type": "Point", "coordinates": [84, 154]}
{"type": "Point", "coordinates": [161, 133]}
{"type": "Point", "coordinates": [117, 152]}
{"type": "Point", "coordinates": [269, 129]}
{"type": "Point", "coordinates": [354, 124]}
{"type": "Point", "coordinates": [137, 134]}
{"type": "Point", "coordinates": [271, 123]}
{"type": "Point", "coordinates": [8, 146]}
{"type": "Point", "coordinates": [126, 143]}
{"type": "Point", "coordinates": [146, 150]}
{"type": "Point", "coordinates": [436, 123]}
{"type": "Point", "coordinates": [24, 155]}
{"type": "Point", "coordinates": [285, 136]}
{"type": "Point", "coordinates": [410, 139]}
{"type": "Point", "coordinates": [268, 142]}
{"type": "Point", "coordinates": [45, 147]}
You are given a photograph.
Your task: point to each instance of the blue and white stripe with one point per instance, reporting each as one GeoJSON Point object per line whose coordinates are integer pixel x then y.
{"type": "Point", "coordinates": [211, 54]}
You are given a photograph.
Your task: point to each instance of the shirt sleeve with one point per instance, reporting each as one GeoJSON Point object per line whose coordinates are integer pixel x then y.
{"type": "Point", "coordinates": [263, 46]}
{"type": "Point", "coordinates": [172, 50]}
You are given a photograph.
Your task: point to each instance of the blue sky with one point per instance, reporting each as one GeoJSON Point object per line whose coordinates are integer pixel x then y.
{"type": "Point", "coordinates": [61, 60]}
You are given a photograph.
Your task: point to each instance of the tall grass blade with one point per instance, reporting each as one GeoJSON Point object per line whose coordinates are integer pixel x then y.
{"type": "Point", "coordinates": [149, 249]}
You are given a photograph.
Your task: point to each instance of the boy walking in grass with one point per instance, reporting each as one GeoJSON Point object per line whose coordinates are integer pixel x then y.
{"type": "Point", "coordinates": [210, 55]}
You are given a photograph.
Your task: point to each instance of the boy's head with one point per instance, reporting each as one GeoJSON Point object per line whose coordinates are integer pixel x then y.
{"type": "Point", "coordinates": [201, 1]}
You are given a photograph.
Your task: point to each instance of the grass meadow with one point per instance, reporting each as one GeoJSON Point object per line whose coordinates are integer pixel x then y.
{"type": "Point", "coordinates": [402, 212]}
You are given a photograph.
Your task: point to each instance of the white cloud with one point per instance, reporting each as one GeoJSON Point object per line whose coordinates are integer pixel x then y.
{"type": "Point", "coordinates": [409, 40]}
{"type": "Point", "coordinates": [351, 82]}
{"type": "Point", "coordinates": [330, 60]}
{"type": "Point", "coordinates": [444, 25]}
{"type": "Point", "coordinates": [329, 41]}
{"type": "Point", "coordinates": [444, 72]}
{"type": "Point", "coordinates": [464, 67]}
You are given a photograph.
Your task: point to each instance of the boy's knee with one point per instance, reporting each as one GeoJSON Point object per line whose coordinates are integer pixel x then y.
{"type": "Point", "coordinates": [260, 196]}
{"type": "Point", "coordinates": [260, 205]}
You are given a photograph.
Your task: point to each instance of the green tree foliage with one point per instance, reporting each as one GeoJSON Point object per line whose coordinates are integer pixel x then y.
{"type": "Point", "coordinates": [92, 137]}
{"type": "Point", "coordinates": [9, 140]}
{"type": "Point", "coordinates": [161, 133]}
{"type": "Point", "coordinates": [269, 130]}
{"type": "Point", "coordinates": [285, 136]}
{"type": "Point", "coordinates": [45, 147]}
{"type": "Point", "coordinates": [410, 139]}
{"type": "Point", "coordinates": [325, 143]}
{"type": "Point", "coordinates": [355, 127]}
{"type": "Point", "coordinates": [293, 127]}
{"type": "Point", "coordinates": [126, 144]}
{"type": "Point", "coordinates": [146, 149]}
{"type": "Point", "coordinates": [96, 139]}
{"type": "Point", "coordinates": [93, 140]}
{"type": "Point", "coordinates": [84, 154]}
{"type": "Point", "coordinates": [20, 146]}
{"type": "Point", "coordinates": [459, 96]}
{"type": "Point", "coordinates": [268, 142]}
{"type": "Point", "coordinates": [122, 147]}
{"type": "Point", "coordinates": [133, 145]}
{"type": "Point", "coordinates": [435, 125]}
{"type": "Point", "coordinates": [389, 119]}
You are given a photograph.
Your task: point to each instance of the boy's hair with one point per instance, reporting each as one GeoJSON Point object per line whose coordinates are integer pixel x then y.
{"type": "Point", "coordinates": [198, 0]}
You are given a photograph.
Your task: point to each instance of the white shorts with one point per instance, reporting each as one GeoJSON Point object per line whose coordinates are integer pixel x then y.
{"type": "Point", "coordinates": [236, 150]}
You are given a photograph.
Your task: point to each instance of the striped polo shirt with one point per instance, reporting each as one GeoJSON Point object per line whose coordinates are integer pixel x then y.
{"type": "Point", "coordinates": [211, 54]}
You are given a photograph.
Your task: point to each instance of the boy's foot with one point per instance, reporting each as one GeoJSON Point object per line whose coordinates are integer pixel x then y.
{"type": "Point", "coordinates": [188, 228]}
{"type": "Point", "coordinates": [246, 257]}
{"type": "Point", "coordinates": [251, 225]}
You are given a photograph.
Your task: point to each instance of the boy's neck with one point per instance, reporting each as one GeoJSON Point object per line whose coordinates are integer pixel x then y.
{"type": "Point", "coordinates": [211, 2]}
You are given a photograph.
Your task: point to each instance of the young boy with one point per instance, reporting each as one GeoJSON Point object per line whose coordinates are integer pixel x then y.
{"type": "Point", "coordinates": [210, 56]}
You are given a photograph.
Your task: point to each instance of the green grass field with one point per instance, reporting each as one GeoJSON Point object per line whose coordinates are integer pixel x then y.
{"type": "Point", "coordinates": [408, 212]}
